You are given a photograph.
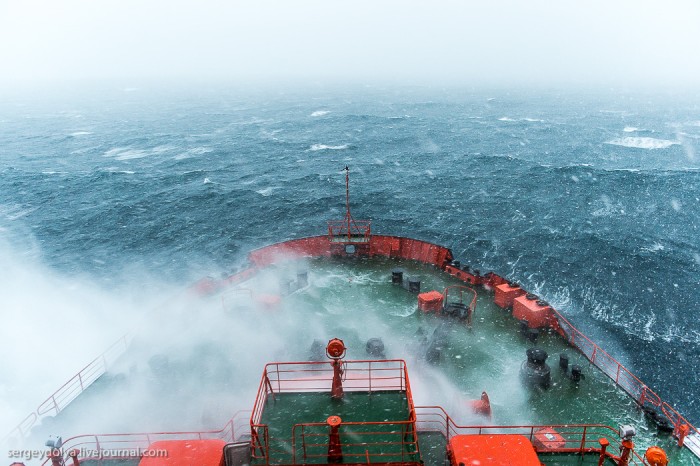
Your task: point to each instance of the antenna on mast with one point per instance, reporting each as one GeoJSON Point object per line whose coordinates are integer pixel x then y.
{"type": "Point", "coordinates": [348, 217]}
{"type": "Point", "coordinates": [348, 232]}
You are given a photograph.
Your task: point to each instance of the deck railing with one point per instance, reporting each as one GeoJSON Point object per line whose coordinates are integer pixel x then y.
{"type": "Point", "coordinates": [362, 442]}
{"type": "Point", "coordinates": [104, 447]}
{"type": "Point", "coordinates": [70, 390]}
{"type": "Point", "coordinates": [356, 230]}
{"type": "Point", "coordinates": [303, 377]}
{"type": "Point", "coordinates": [632, 385]}
{"type": "Point", "coordinates": [567, 438]}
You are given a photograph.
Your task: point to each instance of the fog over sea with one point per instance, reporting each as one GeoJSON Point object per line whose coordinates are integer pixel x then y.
{"type": "Point", "coordinates": [111, 198]}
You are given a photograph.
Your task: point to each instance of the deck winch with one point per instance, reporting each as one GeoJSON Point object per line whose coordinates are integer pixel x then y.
{"type": "Point", "coordinates": [535, 371]}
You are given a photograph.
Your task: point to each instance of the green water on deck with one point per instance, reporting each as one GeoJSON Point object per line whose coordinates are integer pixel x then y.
{"type": "Point", "coordinates": [383, 442]}
{"type": "Point", "coordinates": [353, 300]}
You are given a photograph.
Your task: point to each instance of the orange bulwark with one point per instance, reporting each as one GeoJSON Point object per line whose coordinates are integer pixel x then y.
{"type": "Point", "coordinates": [431, 301]}
{"type": "Point", "coordinates": [530, 308]}
{"type": "Point", "coordinates": [494, 450]}
{"type": "Point", "coordinates": [506, 294]}
{"type": "Point", "coordinates": [184, 453]}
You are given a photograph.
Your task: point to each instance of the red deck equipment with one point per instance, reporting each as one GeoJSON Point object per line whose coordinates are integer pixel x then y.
{"type": "Point", "coordinates": [431, 301]}
{"type": "Point", "coordinates": [505, 294]}
{"type": "Point", "coordinates": [492, 450]}
{"type": "Point", "coordinates": [185, 453]}
{"type": "Point", "coordinates": [548, 439]}
{"type": "Point", "coordinates": [482, 406]}
{"type": "Point", "coordinates": [336, 351]}
{"type": "Point", "coordinates": [335, 450]}
{"type": "Point", "coordinates": [536, 312]}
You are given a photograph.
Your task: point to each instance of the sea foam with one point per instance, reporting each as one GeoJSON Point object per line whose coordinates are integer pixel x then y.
{"type": "Point", "coordinates": [643, 143]}
{"type": "Point", "coordinates": [316, 147]}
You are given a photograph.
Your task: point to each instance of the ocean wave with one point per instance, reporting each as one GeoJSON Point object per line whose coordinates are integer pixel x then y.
{"type": "Point", "coordinates": [655, 247]}
{"type": "Point", "coordinates": [643, 143]}
{"type": "Point", "coordinates": [200, 150]}
{"type": "Point", "coordinates": [317, 147]}
{"type": "Point", "coordinates": [80, 133]}
{"type": "Point", "coordinates": [630, 129]}
{"type": "Point", "coordinates": [267, 191]}
{"type": "Point", "coordinates": [128, 153]}
{"type": "Point", "coordinates": [319, 113]}
{"type": "Point", "coordinates": [528, 119]}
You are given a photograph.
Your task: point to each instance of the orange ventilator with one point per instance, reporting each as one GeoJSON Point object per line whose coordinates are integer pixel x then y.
{"type": "Point", "coordinates": [482, 406]}
{"type": "Point", "coordinates": [656, 456]}
{"type": "Point", "coordinates": [74, 456]}
{"type": "Point", "coordinates": [335, 450]}
{"type": "Point", "coordinates": [604, 444]}
{"type": "Point", "coordinates": [625, 452]}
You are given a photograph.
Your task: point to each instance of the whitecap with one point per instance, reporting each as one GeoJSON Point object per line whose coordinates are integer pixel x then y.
{"type": "Point", "coordinates": [132, 154]}
{"type": "Point", "coordinates": [200, 150]}
{"type": "Point", "coordinates": [533, 120]}
{"type": "Point", "coordinates": [266, 192]}
{"type": "Point", "coordinates": [505, 119]}
{"type": "Point", "coordinates": [319, 113]}
{"type": "Point", "coordinates": [207, 181]}
{"type": "Point", "coordinates": [643, 143]}
{"type": "Point", "coordinates": [654, 248]}
{"type": "Point", "coordinates": [128, 153]}
{"type": "Point", "coordinates": [80, 133]}
{"type": "Point", "coordinates": [317, 147]}
{"type": "Point", "coordinates": [630, 129]}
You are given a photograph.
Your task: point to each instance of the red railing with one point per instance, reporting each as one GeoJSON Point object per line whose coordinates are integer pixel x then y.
{"type": "Point", "coordinates": [354, 230]}
{"type": "Point", "coordinates": [362, 442]}
{"type": "Point", "coordinates": [637, 389]}
{"type": "Point", "coordinates": [300, 377]}
{"type": "Point", "coordinates": [72, 388]}
{"type": "Point", "coordinates": [570, 438]}
{"type": "Point", "coordinates": [622, 377]}
{"type": "Point", "coordinates": [115, 446]}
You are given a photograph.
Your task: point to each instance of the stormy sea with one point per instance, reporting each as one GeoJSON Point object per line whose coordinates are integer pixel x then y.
{"type": "Point", "coordinates": [111, 196]}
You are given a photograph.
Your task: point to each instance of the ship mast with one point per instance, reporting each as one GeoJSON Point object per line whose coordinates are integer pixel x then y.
{"type": "Point", "coordinates": [348, 230]}
{"type": "Point", "coordinates": [348, 217]}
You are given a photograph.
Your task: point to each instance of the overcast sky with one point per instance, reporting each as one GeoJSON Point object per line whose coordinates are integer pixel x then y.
{"type": "Point", "coordinates": [606, 42]}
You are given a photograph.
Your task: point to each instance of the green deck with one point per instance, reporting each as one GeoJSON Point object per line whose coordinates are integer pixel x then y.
{"type": "Point", "coordinates": [382, 442]}
{"type": "Point", "coordinates": [215, 371]}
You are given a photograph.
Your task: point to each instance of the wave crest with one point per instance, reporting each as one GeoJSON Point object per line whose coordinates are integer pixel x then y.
{"type": "Point", "coordinates": [317, 147]}
{"type": "Point", "coordinates": [643, 143]}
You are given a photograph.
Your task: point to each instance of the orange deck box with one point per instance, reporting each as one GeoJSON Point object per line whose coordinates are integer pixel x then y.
{"type": "Point", "coordinates": [548, 439]}
{"type": "Point", "coordinates": [505, 294]}
{"type": "Point", "coordinates": [432, 301]}
{"type": "Point", "coordinates": [537, 315]}
{"type": "Point", "coordinates": [184, 453]}
{"type": "Point", "coordinates": [492, 450]}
